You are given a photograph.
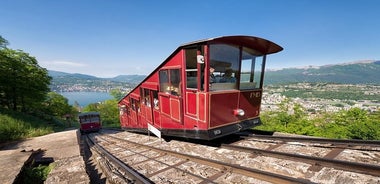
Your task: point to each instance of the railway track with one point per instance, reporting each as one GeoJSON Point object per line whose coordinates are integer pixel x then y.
{"type": "Point", "coordinates": [152, 161]}
{"type": "Point", "coordinates": [150, 154]}
{"type": "Point", "coordinates": [119, 168]}
{"type": "Point", "coordinates": [366, 145]}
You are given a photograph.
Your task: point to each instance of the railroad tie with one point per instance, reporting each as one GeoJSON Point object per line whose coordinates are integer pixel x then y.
{"type": "Point", "coordinates": [331, 155]}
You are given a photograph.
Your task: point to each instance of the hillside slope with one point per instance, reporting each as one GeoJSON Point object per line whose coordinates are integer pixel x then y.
{"type": "Point", "coordinates": [365, 72]}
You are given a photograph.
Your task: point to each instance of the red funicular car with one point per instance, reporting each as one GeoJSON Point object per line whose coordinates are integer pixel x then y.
{"type": "Point", "coordinates": [89, 122]}
{"type": "Point", "coordinates": [204, 90]}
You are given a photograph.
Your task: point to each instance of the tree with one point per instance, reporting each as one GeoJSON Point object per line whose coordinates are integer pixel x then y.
{"type": "Point", "coordinates": [77, 106]}
{"type": "Point", "coordinates": [23, 83]}
{"type": "Point", "coordinates": [117, 94]}
{"type": "Point", "coordinates": [57, 105]}
{"type": "Point", "coordinates": [91, 107]}
{"type": "Point", "coordinates": [361, 126]}
{"type": "Point", "coordinates": [3, 42]}
{"type": "Point", "coordinates": [108, 110]}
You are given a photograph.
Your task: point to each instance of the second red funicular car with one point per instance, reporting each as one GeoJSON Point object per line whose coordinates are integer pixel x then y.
{"type": "Point", "coordinates": [89, 122]}
{"type": "Point", "coordinates": [204, 90]}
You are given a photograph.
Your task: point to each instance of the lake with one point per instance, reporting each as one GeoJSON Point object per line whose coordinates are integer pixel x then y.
{"type": "Point", "coordinates": [85, 98]}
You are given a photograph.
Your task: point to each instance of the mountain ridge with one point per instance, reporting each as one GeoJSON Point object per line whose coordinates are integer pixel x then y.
{"type": "Point", "coordinates": [358, 72]}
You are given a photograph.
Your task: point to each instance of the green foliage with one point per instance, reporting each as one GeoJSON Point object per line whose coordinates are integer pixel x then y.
{"type": "Point", "coordinates": [11, 129]}
{"type": "Point", "coordinates": [24, 87]}
{"type": "Point", "coordinates": [17, 125]}
{"type": "Point", "coordinates": [117, 94]}
{"type": "Point", "coordinates": [346, 124]}
{"type": "Point", "coordinates": [341, 95]}
{"type": "Point", "coordinates": [23, 83]}
{"type": "Point", "coordinates": [36, 174]}
{"type": "Point", "coordinates": [290, 119]}
{"type": "Point", "coordinates": [57, 105]}
{"type": "Point", "coordinates": [3, 42]}
{"type": "Point", "coordinates": [351, 124]}
{"type": "Point", "coordinates": [108, 110]}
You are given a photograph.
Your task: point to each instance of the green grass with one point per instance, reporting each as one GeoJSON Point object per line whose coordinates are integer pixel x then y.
{"type": "Point", "coordinates": [36, 174]}
{"type": "Point", "coordinates": [16, 126]}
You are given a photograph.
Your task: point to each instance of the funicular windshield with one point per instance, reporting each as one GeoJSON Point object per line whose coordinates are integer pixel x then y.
{"type": "Point", "coordinates": [89, 118]}
{"type": "Point", "coordinates": [228, 70]}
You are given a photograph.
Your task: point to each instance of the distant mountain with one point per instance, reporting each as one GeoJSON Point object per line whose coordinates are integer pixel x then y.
{"type": "Point", "coordinates": [57, 74]}
{"type": "Point", "coordinates": [53, 73]}
{"type": "Point", "coordinates": [129, 78]}
{"type": "Point", "coordinates": [362, 72]}
{"type": "Point", "coordinates": [78, 76]}
{"type": "Point", "coordinates": [70, 82]}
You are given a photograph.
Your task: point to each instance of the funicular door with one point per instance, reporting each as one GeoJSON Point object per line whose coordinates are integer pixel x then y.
{"type": "Point", "coordinates": [129, 116]}
{"type": "Point", "coordinates": [192, 82]}
{"type": "Point", "coordinates": [135, 109]}
{"type": "Point", "coordinates": [156, 108]}
{"type": "Point", "coordinates": [147, 105]}
{"type": "Point", "coordinates": [170, 97]}
{"type": "Point", "coordinates": [124, 112]}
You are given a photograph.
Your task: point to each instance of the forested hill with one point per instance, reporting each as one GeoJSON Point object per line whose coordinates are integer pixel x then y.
{"type": "Point", "coordinates": [363, 72]}
{"type": "Point", "coordinates": [79, 78]}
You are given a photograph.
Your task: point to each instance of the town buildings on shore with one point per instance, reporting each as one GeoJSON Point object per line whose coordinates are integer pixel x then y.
{"type": "Point", "coordinates": [316, 98]}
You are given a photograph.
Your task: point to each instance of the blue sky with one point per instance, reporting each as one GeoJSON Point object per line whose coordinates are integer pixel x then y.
{"type": "Point", "coordinates": [107, 38]}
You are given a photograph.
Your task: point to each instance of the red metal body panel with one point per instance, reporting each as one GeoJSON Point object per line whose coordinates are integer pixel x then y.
{"type": "Point", "coordinates": [165, 104]}
{"type": "Point", "coordinates": [250, 100]}
{"type": "Point", "coordinates": [221, 108]}
{"type": "Point", "coordinates": [175, 110]}
{"type": "Point", "coordinates": [191, 105]}
{"type": "Point", "coordinates": [90, 126]}
{"type": "Point", "coordinates": [202, 107]}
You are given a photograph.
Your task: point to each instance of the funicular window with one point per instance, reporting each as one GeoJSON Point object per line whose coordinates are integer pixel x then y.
{"type": "Point", "coordinates": [156, 102]}
{"type": "Point", "coordinates": [191, 68]}
{"type": "Point", "coordinates": [251, 69]}
{"type": "Point", "coordinates": [95, 118]}
{"type": "Point", "coordinates": [224, 59]}
{"type": "Point", "coordinates": [175, 80]}
{"type": "Point", "coordinates": [164, 81]}
{"type": "Point", "coordinates": [146, 97]}
{"type": "Point", "coordinates": [135, 105]}
{"type": "Point", "coordinates": [84, 119]}
{"type": "Point", "coordinates": [170, 81]}
{"type": "Point", "coordinates": [128, 110]}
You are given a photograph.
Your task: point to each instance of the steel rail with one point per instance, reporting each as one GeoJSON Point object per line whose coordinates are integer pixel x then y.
{"type": "Point", "coordinates": [349, 142]}
{"type": "Point", "coordinates": [254, 173]}
{"type": "Point", "coordinates": [134, 175]}
{"type": "Point", "coordinates": [339, 164]}
{"type": "Point", "coordinates": [207, 180]}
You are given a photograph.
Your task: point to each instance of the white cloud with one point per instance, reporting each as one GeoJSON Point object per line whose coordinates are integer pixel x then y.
{"type": "Point", "coordinates": [100, 69]}
{"type": "Point", "coordinates": [64, 66]}
{"type": "Point", "coordinates": [65, 63]}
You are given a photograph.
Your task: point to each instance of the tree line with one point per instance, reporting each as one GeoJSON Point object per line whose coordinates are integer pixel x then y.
{"type": "Point", "coordinates": [24, 87]}
{"type": "Point", "coordinates": [23, 83]}
{"type": "Point", "coordinates": [291, 118]}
